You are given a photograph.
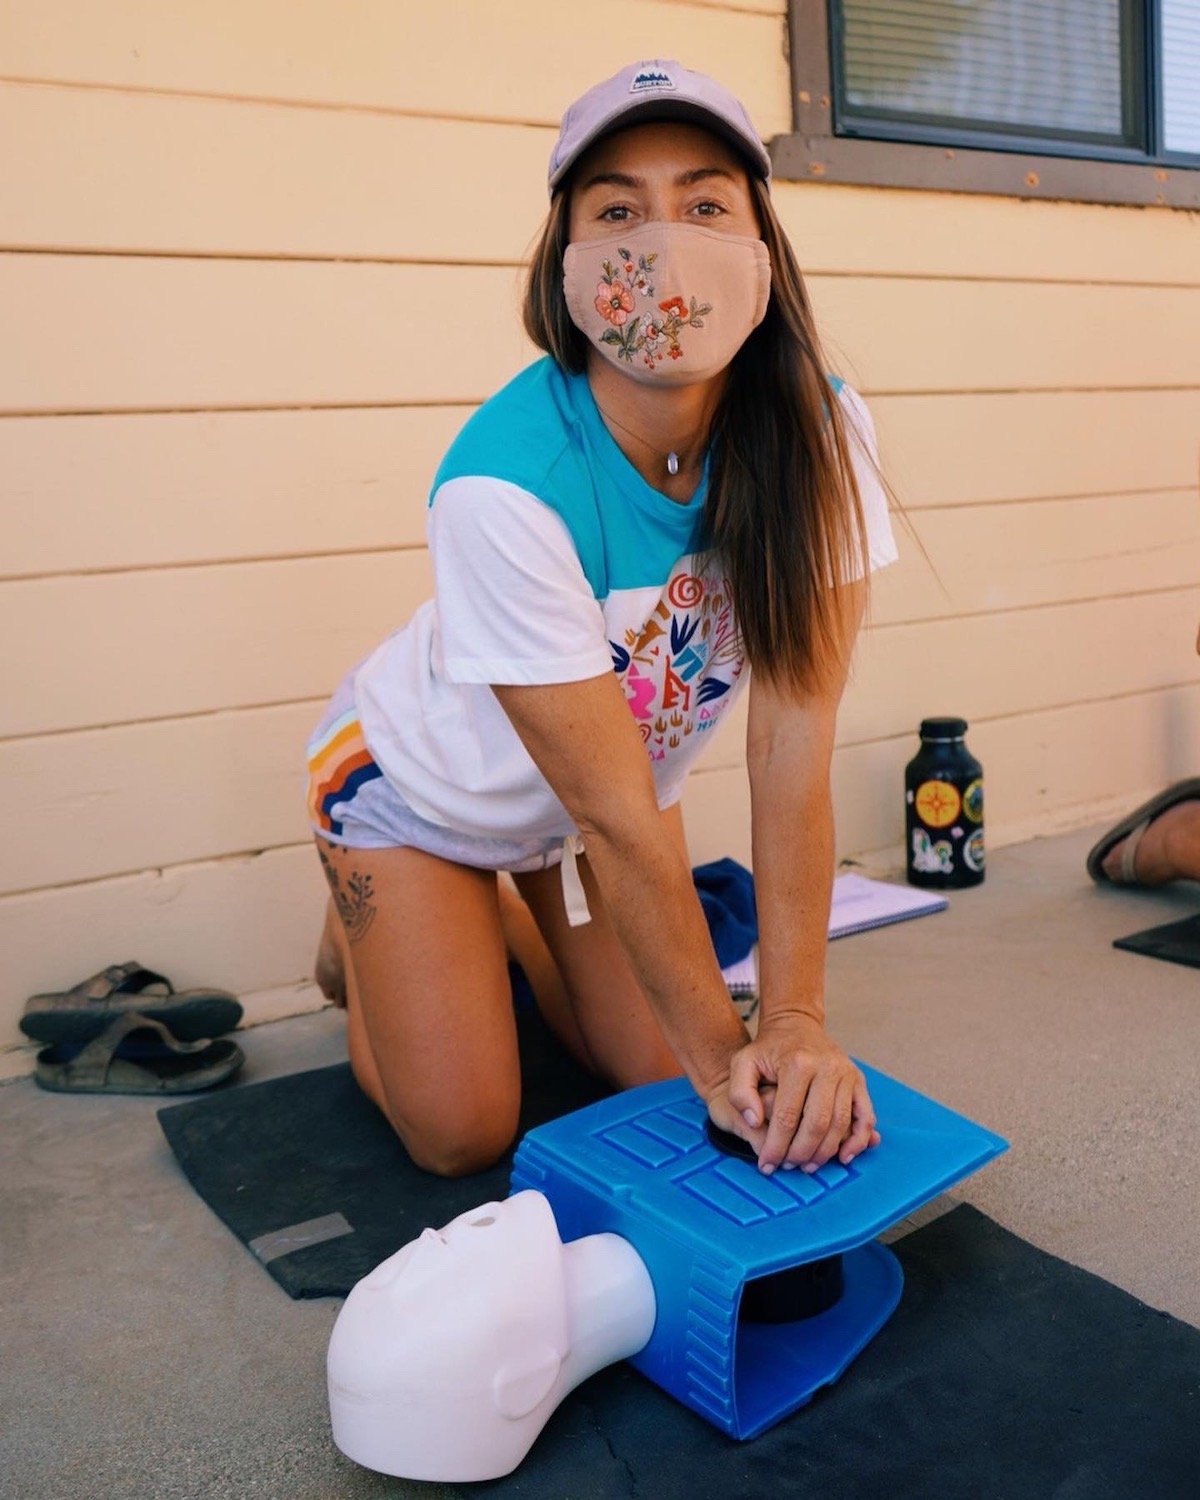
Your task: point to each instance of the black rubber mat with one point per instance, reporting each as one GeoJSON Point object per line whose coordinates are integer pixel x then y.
{"type": "Point", "coordinates": [271, 1158]}
{"type": "Point", "coordinates": [1177, 942]}
{"type": "Point", "coordinates": [1004, 1374]}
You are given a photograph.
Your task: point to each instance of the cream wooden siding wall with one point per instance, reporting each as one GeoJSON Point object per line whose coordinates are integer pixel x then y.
{"type": "Point", "coordinates": [260, 259]}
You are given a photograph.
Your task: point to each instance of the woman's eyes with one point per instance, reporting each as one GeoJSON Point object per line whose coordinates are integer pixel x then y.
{"type": "Point", "coordinates": [619, 213]}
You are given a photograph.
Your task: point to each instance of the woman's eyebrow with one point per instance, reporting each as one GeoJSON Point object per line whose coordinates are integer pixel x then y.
{"type": "Point", "coordinates": [700, 174]}
{"type": "Point", "coordinates": [625, 180]}
{"type": "Point", "coordinates": [613, 179]}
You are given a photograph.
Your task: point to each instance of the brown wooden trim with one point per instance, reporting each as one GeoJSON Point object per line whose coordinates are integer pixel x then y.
{"type": "Point", "coordinates": [814, 154]}
{"type": "Point", "coordinates": [963, 169]}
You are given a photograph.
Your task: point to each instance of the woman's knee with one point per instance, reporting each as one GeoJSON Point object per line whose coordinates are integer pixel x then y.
{"type": "Point", "coordinates": [460, 1141]}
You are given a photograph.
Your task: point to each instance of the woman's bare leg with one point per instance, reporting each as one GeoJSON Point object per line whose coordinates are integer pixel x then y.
{"type": "Point", "coordinates": [527, 946]}
{"type": "Point", "coordinates": [618, 1026]}
{"type": "Point", "coordinates": [329, 967]}
{"type": "Point", "coordinates": [431, 1032]}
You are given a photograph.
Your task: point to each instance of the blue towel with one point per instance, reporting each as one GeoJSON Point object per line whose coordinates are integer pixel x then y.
{"type": "Point", "coordinates": [726, 891]}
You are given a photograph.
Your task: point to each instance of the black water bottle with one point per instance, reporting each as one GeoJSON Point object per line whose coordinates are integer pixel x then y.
{"type": "Point", "coordinates": [943, 797]}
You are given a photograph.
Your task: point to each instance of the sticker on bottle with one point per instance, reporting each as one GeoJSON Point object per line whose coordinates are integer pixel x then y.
{"type": "Point", "coordinates": [929, 858]}
{"type": "Point", "coordinates": [938, 803]}
{"type": "Point", "coordinates": [972, 800]}
{"type": "Point", "coordinates": [973, 851]}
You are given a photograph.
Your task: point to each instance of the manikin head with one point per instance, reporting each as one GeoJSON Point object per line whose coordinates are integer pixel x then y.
{"type": "Point", "coordinates": [447, 1359]}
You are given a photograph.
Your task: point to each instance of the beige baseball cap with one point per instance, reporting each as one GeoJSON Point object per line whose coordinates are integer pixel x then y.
{"type": "Point", "coordinates": [655, 90]}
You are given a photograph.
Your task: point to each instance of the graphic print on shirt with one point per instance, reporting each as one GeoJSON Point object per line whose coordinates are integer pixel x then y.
{"type": "Point", "coordinates": [678, 667]}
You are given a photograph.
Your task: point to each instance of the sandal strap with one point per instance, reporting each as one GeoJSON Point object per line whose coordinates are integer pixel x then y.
{"type": "Point", "coordinates": [1129, 851]}
{"type": "Point", "coordinates": [92, 1063]}
{"type": "Point", "coordinates": [130, 978]}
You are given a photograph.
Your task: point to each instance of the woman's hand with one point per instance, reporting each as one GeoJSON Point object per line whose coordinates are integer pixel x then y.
{"type": "Point", "coordinates": [796, 1096]}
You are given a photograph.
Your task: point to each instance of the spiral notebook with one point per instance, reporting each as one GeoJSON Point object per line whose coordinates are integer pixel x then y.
{"type": "Point", "coordinates": [859, 904]}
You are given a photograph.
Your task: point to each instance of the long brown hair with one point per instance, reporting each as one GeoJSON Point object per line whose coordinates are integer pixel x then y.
{"type": "Point", "coordinates": [783, 510]}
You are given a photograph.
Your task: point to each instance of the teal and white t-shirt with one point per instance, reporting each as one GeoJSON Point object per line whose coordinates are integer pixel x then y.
{"type": "Point", "coordinates": [555, 561]}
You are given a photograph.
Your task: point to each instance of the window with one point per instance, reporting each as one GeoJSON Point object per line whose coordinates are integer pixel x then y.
{"type": "Point", "coordinates": [1093, 100]}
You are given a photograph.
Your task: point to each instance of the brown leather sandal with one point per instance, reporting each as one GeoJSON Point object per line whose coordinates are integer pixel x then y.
{"type": "Point", "coordinates": [135, 1055]}
{"type": "Point", "coordinates": [92, 1005]}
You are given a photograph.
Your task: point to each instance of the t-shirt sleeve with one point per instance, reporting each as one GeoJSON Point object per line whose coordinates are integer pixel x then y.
{"type": "Point", "coordinates": [860, 429]}
{"type": "Point", "coordinates": [513, 604]}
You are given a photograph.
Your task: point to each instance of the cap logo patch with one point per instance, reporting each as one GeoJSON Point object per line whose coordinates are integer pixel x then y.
{"type": "Point", "coordinates": [650, 78]}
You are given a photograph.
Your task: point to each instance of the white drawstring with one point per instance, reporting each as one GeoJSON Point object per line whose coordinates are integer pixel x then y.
{"type": "Point", "coordinates": [574, 896]}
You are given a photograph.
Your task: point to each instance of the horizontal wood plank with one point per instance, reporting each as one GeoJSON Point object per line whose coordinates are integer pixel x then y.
{"type": "Point", "coordinates": [117, 648]}
{"type": "Point", "coordinates": [101, 170]}
{"type": "Point", "coordinates": [468, 58]}
{"type": "Point", "coordinates": [969, 559]}
{"type": "Point", "coordinates": [846, 228]}
{"type": "Point", "coordinates": [116, 801]}
{"type": "Point", "coordinates": [912, 335]}
{"type": "Point", "coordinates": [1025, 661]}
{"type": "Point", "coordinates": [132, 491]}
{"type": "Point", "coordinates": [103, 492]}
{"type": "Point", "coordinates": [967, 447]}
{"type": "Point", "coordinates": [250, 922]}
{"type": "Point", "coordinates": [169, 333]}
{"type": "Point", "coordinates": [104, 170]}
{"type": "Point", "coordinates": [132, 332]}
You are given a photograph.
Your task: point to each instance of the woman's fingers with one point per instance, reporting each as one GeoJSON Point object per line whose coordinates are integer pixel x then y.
{"type": "Point", "coordinates": [722, 1113]}
{"type": "Point", "coordinates": [745, 1072]}
{"type": "Point", "coordinates": [862, 1132]}
{"type": "Point", "coordinates": [839, 1127]}
{"type": "Point", "coordinates": [792, 1095]}
{"type": "Point", "coordinates": [816, 1121]}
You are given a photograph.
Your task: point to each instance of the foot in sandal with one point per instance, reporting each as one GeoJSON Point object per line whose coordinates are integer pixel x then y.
{"type": "Point", "coordinates": [1168, 849]}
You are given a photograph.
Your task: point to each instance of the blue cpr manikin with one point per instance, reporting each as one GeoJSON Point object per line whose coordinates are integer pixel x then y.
{"type": "Point", "coordinates": [629, 1235]}
{"type": "Point", "coordinates": [707, 1224]}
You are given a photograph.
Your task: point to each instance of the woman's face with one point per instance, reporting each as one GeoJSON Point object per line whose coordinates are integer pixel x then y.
{"type": "Point", "coordinates": [666, 172]}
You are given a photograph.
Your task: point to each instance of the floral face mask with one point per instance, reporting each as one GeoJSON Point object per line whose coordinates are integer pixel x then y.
{"type": "Point", "coordinates": [668, 303]}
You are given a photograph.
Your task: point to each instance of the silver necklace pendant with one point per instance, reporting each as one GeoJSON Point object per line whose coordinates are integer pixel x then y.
{"type": "Point", "coordinates": [672, 463]}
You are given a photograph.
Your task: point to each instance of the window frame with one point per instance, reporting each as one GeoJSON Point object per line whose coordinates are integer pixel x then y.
{"type": "Point", "coordinates": [954, 163]}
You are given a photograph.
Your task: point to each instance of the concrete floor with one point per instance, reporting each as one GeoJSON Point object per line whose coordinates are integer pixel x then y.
{"type": "Point", "coordinates": [146, 1354]}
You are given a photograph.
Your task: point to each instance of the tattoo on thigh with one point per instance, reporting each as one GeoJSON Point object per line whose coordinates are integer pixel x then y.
{"type": "Point", "coordinates": [355, 899]}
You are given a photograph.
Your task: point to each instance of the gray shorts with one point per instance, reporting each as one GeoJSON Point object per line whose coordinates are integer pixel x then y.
{"type": "Point", "coordinates": [351, 802]}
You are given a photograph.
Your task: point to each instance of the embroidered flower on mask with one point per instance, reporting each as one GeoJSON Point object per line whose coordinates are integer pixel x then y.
{"type": "Point", "coordinates": [650, 329]}
{"type": "Point", "coordinates": [674, 305]}
{"type": "Point", "coordinates": [614, 302]}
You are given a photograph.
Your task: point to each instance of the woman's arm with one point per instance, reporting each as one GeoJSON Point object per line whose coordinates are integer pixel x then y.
{"type": "Point", "coordinates": [584, 740]}
{"type": "Point", "coordinates": [821, 1106]}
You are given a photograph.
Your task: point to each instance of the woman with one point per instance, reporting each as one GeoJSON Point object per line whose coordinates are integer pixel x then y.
{"type": "Point", "coordinates": [679, 449]}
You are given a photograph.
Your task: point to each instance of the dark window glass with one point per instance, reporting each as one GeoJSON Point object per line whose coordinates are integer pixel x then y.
{"type": "Point", "coordinates": [1015, 68]}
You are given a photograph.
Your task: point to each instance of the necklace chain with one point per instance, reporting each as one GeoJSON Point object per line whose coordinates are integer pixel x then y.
{"type": "Point", "coordinates": [672, 455]}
